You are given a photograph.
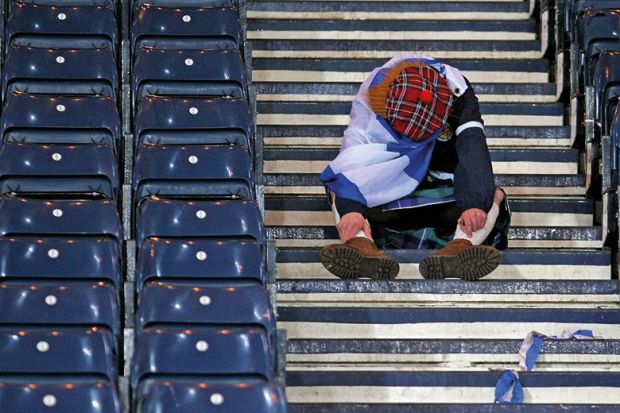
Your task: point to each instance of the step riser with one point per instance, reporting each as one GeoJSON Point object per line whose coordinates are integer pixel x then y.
{"type": "Point", "coordinates": [448, 395]}
{"type": "Point", "coordinates": [438, 330]}
{"type": "Point", "coordinates": [313, 218]}
{"type": "Point", "coordinates": [358, 77]}
{"type": "Point", "coordinates": [292, 271]}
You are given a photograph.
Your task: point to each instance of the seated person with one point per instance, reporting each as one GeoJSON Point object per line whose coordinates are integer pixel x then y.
{"type": "Point", "coordinates": [414, 171]}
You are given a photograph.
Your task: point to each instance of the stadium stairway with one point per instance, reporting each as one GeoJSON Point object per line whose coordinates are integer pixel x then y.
{"type": "Point", "coordinates": [412, 344]}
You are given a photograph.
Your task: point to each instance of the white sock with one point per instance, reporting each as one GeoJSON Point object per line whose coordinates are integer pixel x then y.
{"type": "Point", "coordinates": [360, 233]}
{"type": "Point", "coordinates": [479, 236]}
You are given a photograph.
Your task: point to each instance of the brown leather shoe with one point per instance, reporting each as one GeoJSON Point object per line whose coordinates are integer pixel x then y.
{"type": "Point", "coordinates": [460, 259]}
{"type": "Point", "coordinates": [359, 257]}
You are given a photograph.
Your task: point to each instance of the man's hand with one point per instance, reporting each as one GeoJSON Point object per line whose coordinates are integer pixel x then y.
{"type": "Point", "coordinates": [350, 224]}
{"type": "Point", "coordinates": [472, 220]}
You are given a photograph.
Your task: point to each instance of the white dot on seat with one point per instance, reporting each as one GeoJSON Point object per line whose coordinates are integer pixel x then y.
{"type": "Point", "coordinates": [57, 212]}
{"type": "Point", "coordinates": [56, 156]}
{"type": "Point", "coordinates": [43, 346]}
{"type": "Point", "coordinates": [202, 346]}
{"type": "Point", "coordinates": [60, 59]}
{"type": "Point", "coordinates": [49, 400]}
{"type": "Point", "coordinates": [187, 18]}
{"type": "Point", "coordinates": [61, 108]}
{"type": "Point", "coordinates": [193, 110]}
{"type": "Point", "coordinates": [201, 214]}
{"type": "Point", "coordinates": [51, 300]}
{"type": "Point", "coordinates": [217, 399]}
{"type": "Point", "coordinates": [62, 16]}
{"type": "Point", "coordinates": [189, 62]}
{"type": "Point", "coordinates": [53, 253]}
{"type": "Point", "coordinates": [205, 300]}
{"type": "Point", "coordinates": [201, 255]}
{"type": "Point", "coordinates": [193, 159]}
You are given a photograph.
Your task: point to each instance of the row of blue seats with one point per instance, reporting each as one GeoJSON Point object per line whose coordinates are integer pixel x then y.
{"type": "Point", "coordinates": [61, 240]}
{"type": "Point", "coordinates": [200, 271]}
{"type": "Point", "coordinates": [592, 28]}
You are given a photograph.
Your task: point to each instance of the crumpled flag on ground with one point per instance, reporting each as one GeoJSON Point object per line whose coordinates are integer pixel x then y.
{"type": "Point", "coordinates": [509, 388]}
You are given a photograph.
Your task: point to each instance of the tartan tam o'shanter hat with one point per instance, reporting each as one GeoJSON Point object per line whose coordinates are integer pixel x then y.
{"type": "Point", "coordinates": [413, 97]}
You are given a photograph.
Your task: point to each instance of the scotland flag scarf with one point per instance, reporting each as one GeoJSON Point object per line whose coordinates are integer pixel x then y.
{"type": "Point", "coordinates": [376, 173]}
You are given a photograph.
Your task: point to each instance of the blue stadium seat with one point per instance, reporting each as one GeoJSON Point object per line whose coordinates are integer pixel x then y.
{"type": "Point", "coordinates": [137, 4]}
{"type": "Point", "coordinates": [31, 217]}
{"type": "Point", "coordinates": [83, 395]}
{"type": "Point", "coordinates": [599, 32]}
{"type": "Point", "coordinates": [60, 71]}
{"type": "Point", "coordinates": [234, 352]}
{"type": "Point", "coordinates": [39, 351]}
{"type": "Point", "coordinates": [161, 72]}
{"type": "Point", "coordinates": [606, 87]}
{"type": "Point", "coordinates": [199, 259]}
{"type": "Point", "coordinates": [177, 28]}
{"type": "Point", "coordinates": [193, 219]}
{"type": "Point", "coordinates": [57, 304]}
{"type": "Point", "coordinates": [56, 169]}
{"type": "Point", "coordinates": [52, 26]}
{"type": "Point", "coordinates": [224, 303]}
{"type": "Point", "coordinates": [68, 259]}
{"type": "Point", "coordinates": [193, 171]}
{"type": "Point", "coordinates": [186, 395]}
{"type": "Point", "coordinates": [575, 9]}
{"type": "Point", "coordinates": [193, 121]}
{"type": "Point", "coordinates": [46, 119]}
{"type": "Point", "coordinates": [73, 3]}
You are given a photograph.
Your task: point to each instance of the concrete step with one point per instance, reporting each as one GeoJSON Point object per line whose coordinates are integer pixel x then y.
{"type": "Point", "coordinates": [535, 71]}
{"type": "Point", "coordinates": [302, 265]}
{"type": "Point", "coordinates": [505, 161]}
{"type": "Point", "coordinates": [313, 211]}
{"type": "Point", "coordinates": [520, 237]}
{"type": "Point", "coordinates": [281, 87]}
{"type": "Point", "coordinates": [279, 183]}
{"type": "Point", "coordinates": [380, 10]}
{"type": "Point", "coordinates": [386, 49]}
{"type": "Point", "coordinates": [395, 323]}
{"type": "Point", "coordinates": [420, 388]}
{"type": "Point", "coordinates": [337, 113]}
{"type": "Point", "coordinates": [448, 355]}
{"type": "Point", "coordinates": [330, 136]}
{"type": "Point", "coordinates": [400, 29]}
{"type": "Point", "coordinates": [562, 292]}
{"type": "Point", "coordinates": [454, 407]}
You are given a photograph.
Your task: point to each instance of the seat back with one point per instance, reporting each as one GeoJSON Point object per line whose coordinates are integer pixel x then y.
{"type": "Point", "coordinates": [221, 303]}
{"type": "Point", "coordinates": [213, 73]}
{"type": "Point", "coordinates": [179, 28]}
{"type": "Point", "coordinates": [54, 303]}
{"type": "Point", "coordinates": [606, 73]}
{"type": "Point", "coordinates": [38, 25]}
{"type": "Point", "coordinates": [225, 396]}
{"type": "Point", "coordinates": [202, 351]}
{"type": "Point", "coordinates": [40, 70]}
{"type": "Point", "coordinates": [199, 259]}
{"type": "Point", "coordinates": [84, 395]}
{"type": "Point", "coordinates": [45, 119]}
{"type": "Point", "coordinates": [59, 218]}
{"type": "Point", "coordinates": [66, 351]}
{"type": "Point", "coordinates": [69, 259]}
{"type": "Point", "coordinates": [165, 218]}
{"type": "Point", "coordinates": [193, 121]}
{"type": "Point", "coordinates": [193, 171]}
{"type": "Point", "coordinates": [58, 170]}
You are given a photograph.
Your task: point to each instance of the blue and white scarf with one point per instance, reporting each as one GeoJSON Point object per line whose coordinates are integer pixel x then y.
{"type": "Point", "coordinates": [376, 165]}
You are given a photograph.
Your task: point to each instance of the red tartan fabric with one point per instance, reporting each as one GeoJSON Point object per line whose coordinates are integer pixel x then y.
{"type": "Point", "coordinates": [404, 110]}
